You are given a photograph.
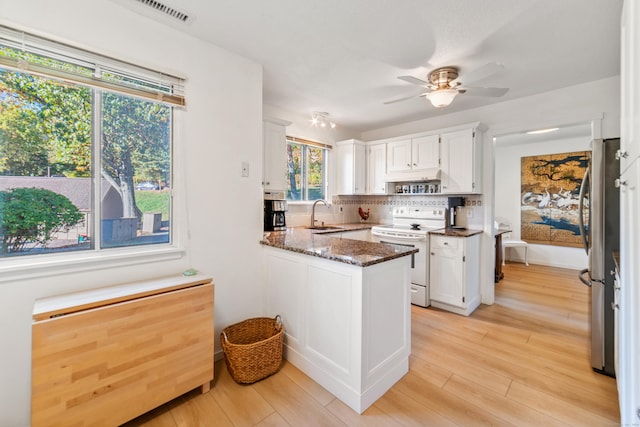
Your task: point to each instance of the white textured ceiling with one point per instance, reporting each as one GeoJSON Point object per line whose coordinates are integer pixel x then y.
{"type": "Point", "coordinates": [344, 56]}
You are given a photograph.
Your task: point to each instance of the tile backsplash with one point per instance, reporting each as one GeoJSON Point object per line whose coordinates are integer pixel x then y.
{"type": "Point", "coordinates": [344, 209]}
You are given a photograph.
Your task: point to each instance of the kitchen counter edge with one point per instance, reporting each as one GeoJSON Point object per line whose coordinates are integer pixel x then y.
{"type": "Point", "coordinates": [325, 244]}
{"type": "Point", "coordinates": [454, 232]}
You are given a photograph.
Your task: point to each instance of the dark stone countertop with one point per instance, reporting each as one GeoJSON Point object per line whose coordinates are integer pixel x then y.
{"type": "Point", "coordinates": [331, 245]}
{"type": "Point", "coordinates": [456, 232]}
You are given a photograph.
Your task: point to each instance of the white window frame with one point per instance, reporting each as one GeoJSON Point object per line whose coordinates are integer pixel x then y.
{"type": "Point", "coordinates": [170, 91]}
{"type": "Point", "coordinates": [304, 172]}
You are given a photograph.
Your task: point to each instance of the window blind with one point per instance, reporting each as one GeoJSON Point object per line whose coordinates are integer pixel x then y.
{"type": "Point", "coordinates": [20, 51]}
{"type": "Point", "coordinates": [307, 142]}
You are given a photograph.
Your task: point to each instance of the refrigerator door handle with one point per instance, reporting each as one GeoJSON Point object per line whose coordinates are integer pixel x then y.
{"type": "Point", "coordinates": [582, 278]}
{"type": "Point", "coordinates": [583, 188]}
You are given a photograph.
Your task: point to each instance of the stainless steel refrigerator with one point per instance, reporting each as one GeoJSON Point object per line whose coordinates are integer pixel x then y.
{"type": "Point", "coordinates": [601, 237]}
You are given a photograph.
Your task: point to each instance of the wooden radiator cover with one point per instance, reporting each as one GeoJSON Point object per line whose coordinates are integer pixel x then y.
{"type": "Point", "coordinates": [105, 356]}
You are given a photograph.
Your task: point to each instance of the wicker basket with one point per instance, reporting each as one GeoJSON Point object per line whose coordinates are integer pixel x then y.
{"type": "Point", "coordinates": [253, 348]}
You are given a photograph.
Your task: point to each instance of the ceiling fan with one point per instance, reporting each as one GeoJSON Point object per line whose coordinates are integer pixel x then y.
{"type": "Point", "coordinates": [444, 84]}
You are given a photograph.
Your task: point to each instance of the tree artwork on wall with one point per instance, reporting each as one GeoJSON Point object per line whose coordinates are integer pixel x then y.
{"type": "Point", "coordinates": [550, 187]}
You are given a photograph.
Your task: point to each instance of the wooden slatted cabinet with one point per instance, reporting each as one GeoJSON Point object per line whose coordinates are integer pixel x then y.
{"type": "Point", "coordinates": [105, 356]}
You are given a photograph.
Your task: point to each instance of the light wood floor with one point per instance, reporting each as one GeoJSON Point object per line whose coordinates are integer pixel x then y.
{"type": "Point", "coordinates": [523, 361]}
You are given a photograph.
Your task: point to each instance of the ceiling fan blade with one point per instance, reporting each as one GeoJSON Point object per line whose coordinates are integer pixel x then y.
{"type": "Point", "coordinates": [483, 91]}
{"type": "Point", "coordinates": [405, 98]}
{"type": "Point", "coordinates": [415, 81]}
{"type": "Point", "coordinates": [478, 74]}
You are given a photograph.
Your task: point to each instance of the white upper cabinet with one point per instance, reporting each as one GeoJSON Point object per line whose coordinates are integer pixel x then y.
{"type": "Point", "coordinates": [377, 168]}
{"type": "Point", "coordinates": [413, 154]}
{"type": "Point", "coordinates": [425, 152]}
{"type": "Point", "coordinates": [629, 71]}
{"type": "Point", "coordinates": [460, 161]}
{"type": "Point", "coordinates": [415, 158]}
{"type": "Point", "coordinates": [351, 167]}
{"type": "Point", "coordinates": [399, 156]}
{"type": "Point", "coordinates": [274, 172]}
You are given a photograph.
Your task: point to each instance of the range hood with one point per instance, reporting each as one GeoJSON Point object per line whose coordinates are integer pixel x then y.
{"type": "Point", "coordinates": [432, 174]}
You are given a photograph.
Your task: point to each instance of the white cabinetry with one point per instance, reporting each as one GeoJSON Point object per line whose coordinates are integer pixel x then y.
{"type": "Point", "coordinates": [413, 155]}
{"type": "Point", "coordinates": [347, 327]}
{"type": "Point", "coordinates": [351, 167]}
{"type": "Point", "coordinates": [629, 95]}
{"type": "Point", "coordinates": [274, 172]}
{"type": "Point", "coordinates": [377, 168]}
{"type": "Point", "coordinates": [399, 156]}
{"type": "Point", "coordinates": [454, 273]}
{"type": "Point", "coordinates": [460, 161]}
{"type": "Point", "coordinates": [629, 296]}
{"type": "Point", "coordinates": [425, 152]}
{"type": "Point", "coordinates": [628, 378]}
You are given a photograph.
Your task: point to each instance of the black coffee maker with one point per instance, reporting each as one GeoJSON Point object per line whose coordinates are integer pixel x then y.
{"type": "Point", "coordinates": [275, 207]}
{"type": "Point", "coordinates": [451, 213]}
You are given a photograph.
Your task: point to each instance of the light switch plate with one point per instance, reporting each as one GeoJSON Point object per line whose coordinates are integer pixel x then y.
{"type": "Point", "coordinates": [245, 169]}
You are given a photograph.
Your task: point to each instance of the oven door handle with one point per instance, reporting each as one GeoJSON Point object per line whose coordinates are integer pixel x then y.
{"type": "Point", "coordinates": [397, 237]}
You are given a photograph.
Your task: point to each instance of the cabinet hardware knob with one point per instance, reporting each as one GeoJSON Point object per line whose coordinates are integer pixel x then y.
{"type": "Point", "coordinates": [408, 164]}
{"type": "Point", "coordinates": [619, 183]}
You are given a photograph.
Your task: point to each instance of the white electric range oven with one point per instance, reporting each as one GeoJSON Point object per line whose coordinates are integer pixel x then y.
{"type": "Point", "coordinates": [410, 227]}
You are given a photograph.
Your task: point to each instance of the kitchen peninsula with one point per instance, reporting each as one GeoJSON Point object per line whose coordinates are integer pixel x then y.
{"type": "Point", "coordinates": [345, 307]}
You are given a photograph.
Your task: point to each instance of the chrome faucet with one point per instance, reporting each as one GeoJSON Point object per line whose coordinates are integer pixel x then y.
{"type": "Point", "coordinates": [313, 211]}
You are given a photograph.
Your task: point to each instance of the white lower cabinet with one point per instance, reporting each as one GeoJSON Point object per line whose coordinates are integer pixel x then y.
{"type": "Point", "coordinates": [454, 273]}
{"type": "Point", "coordinates": [347, 327]}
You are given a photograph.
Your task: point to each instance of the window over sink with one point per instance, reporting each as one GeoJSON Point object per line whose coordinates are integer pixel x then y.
{"type": "Point", "coordinates": [306, 169]}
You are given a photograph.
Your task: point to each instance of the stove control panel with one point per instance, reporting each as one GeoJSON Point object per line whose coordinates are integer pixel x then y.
{"type": "Point", "coordinates": [418, 212]}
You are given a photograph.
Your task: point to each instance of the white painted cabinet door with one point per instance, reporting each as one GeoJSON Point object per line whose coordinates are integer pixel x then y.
{"type": "Point", "coordinates": [458, 166]}
{"type": "Point", "coordinates": [446, 270]}
{"type": "Point", "coordinates": [351, 167]}
{"type": "Point", "coordinates": [399, 156]}
{"type": "Point", "coordinates": [629, 316]}
{"type": "Point", "coordinates": [274, 173]}
{"type": "Point", "coordinates": [425, 152]}
{"type": "Point", "coordinates": [630, 94]}
{"type": "Point", "coordinates": [377, 169]}
{"type": "Point", "coordinates": [629, 301]}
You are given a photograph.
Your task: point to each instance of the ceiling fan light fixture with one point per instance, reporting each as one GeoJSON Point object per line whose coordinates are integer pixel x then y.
{"type": "Point", "coordinates": [442, 97]}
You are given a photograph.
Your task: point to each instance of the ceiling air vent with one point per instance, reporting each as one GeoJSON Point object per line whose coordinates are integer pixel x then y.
{"type": "Point", "coordinates": [167, 10]}
{"type": "Point", "coordinates": [157, 9]}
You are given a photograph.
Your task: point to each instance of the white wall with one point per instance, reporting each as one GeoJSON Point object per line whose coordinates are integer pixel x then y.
{"type": "Point", "coordinates": [220, 128]}
{"type": "Point", "coordinates": [571, 105]}
{"type": "Point", "coordinates": [507, 198]}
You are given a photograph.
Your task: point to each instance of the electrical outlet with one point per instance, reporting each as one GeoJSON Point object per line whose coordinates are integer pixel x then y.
{"type": "Point", "coordinates": [469, 213]}
{"type": "Point", "coordinates": [244, 169]}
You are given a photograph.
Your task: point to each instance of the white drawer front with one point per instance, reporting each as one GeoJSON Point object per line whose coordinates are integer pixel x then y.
{"type": "Point", "coordinates": [419, 295]}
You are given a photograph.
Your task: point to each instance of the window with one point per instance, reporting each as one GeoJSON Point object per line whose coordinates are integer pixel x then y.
{"type": "Point", "coordinates": [85, 149]}
{"type": "Point", "coordinates": [306, 170]}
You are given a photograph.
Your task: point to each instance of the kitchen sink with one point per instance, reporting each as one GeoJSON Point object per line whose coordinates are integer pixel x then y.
{"type": "Point", "coordinates": [325, 227]}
